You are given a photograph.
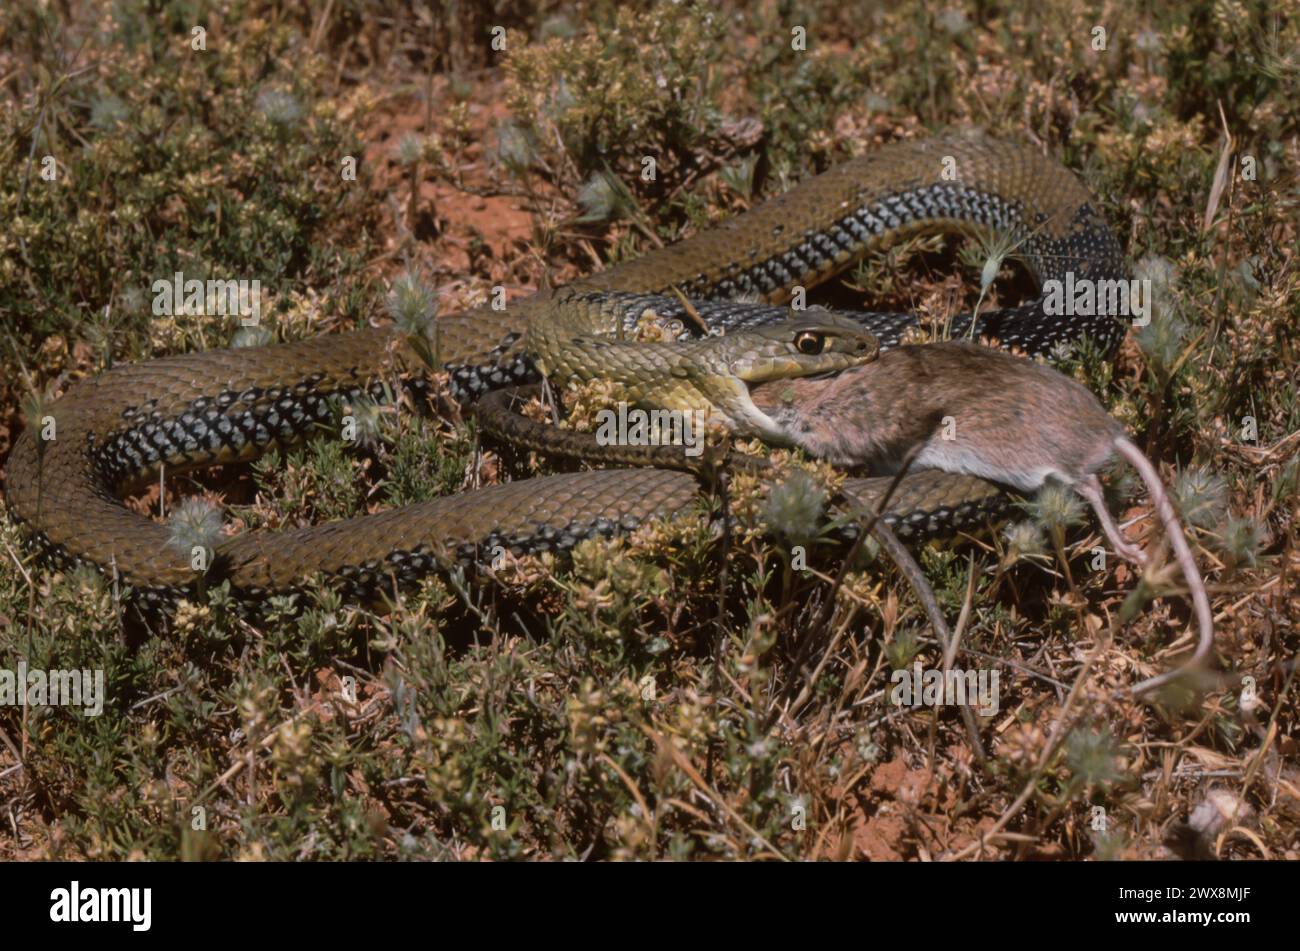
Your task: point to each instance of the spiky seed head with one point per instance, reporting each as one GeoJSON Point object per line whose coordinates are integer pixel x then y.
{"type": "Point", "coordinates": [795, 506]}
{"type": "Point", "coordinates": [1024, 539]}
{"type": "Point", "coordinates": [1056, 507]}
{"type": "Point", "coordinates": [1241, 541]}
{"type": "Point", "coordinates": [108, 111]}
{"type": "Point", "coordinates": [195, 523]}
{"type": "Point", "coordinates": [410, 149]}
{"type": "Point", "coordinates": [411, 304]}
{"type": "Point", "coordinates": [258, 335]}
{"type": "Point", "coordinates": [369, 416]}
{"type": "Point", "coordinates": [740, 177]}
{"type": "Point", "coordinates": [1163, 339]}
{"type": "Point", "coordinates": [515, 148]}
{"type": "Point", "coordinates": [279, 106]}
{"type": "Point", "coordinates": [1093, 757]}
{"type": "Point", "coordinates": [1159, 270]}
{"type": "Point", "coordinates": [952, 21]}
{"type": "Point", "coordinates": [1201, 496]}
{"type": "Point", "coordinates": [598, 199]}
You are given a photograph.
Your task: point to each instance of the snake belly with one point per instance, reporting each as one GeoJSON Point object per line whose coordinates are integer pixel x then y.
{"type": "Point", "coordinates": [115, 430]}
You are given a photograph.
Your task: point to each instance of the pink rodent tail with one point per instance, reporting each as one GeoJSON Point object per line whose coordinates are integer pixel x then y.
{"type": "Point", "coordinates": [1165, 509]}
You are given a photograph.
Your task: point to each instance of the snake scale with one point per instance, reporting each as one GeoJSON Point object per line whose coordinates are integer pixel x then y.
{"type": "Point", "coordinates": [115, 430]}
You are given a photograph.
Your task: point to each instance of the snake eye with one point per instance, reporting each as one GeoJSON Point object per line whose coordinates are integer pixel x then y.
{"type": "Point", "coordinates": [809, 343]}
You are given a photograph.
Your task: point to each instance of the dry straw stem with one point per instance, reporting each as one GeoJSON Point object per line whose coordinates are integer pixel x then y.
{"type": "Point", "coordinates": [665, 743]}
{"type": "Point", "coordinates": [1222, 174]}
{"type": "Point", "coordinates": [1054, 740]}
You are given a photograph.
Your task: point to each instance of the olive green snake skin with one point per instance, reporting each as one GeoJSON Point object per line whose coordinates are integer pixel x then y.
{"type": "Point", "coordinates": [114, 430]}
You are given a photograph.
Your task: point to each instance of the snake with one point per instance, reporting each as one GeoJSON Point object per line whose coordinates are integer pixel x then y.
{"type": "Point", "coordinates": [113, 431]}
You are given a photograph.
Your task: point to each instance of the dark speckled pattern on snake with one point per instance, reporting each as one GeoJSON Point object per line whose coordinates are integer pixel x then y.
{"type": "Point", "coordinates": [218, 406]}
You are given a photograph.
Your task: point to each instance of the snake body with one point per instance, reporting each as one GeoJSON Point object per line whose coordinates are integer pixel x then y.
{"type": "Point", "coordinates": [114, 430]}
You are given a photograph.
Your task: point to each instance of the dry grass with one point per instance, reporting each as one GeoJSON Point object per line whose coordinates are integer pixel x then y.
{"type": "Point", "coordinates": [642, 701]}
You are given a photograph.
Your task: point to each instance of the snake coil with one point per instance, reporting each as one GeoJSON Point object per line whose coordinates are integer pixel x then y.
{"type": "Point", "coordinates": [115, 430]}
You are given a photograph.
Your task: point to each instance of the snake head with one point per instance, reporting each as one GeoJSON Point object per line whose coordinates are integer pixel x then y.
{"type": "Point", "coordinates": [813, 345]}
{"type": "Point", "coordinates": [805, 346]}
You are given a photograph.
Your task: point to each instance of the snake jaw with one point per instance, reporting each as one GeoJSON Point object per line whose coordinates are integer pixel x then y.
{"type": "Point", "coordinates": [755, 422]}
{"type": "Point", "coordinates": [804, 347]}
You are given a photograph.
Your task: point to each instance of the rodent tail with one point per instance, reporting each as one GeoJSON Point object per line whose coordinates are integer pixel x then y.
{"type": "Point", "coordinates": [1165, 509]}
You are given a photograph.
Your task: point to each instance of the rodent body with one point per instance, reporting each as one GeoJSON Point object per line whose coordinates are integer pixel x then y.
{"type": "Point", "coordinates": [974, 410]}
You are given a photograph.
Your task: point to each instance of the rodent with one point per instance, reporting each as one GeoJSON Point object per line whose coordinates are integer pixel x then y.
{"type": "Point", "coordinates": [980, 411]}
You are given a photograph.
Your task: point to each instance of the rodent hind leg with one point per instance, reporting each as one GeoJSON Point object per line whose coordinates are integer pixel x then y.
{"type": "Point", "coordinates": [1090, 488]}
